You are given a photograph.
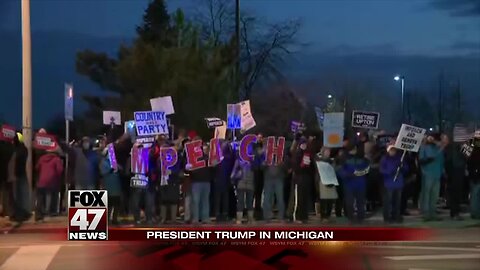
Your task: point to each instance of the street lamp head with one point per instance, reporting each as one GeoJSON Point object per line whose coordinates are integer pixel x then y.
{"type": "Point", "coordinates": [330, 96]}
{"type": "Point", "coordinates": [396, 78]}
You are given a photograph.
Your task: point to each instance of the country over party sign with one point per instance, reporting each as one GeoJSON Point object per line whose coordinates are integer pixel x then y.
{"type": "Point", "coordinates": [151, 123]}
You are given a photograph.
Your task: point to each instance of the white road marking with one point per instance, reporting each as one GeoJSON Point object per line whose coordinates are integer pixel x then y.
{"type": "Point", "coordinates": [427, 248]}
{"type": "Point", "coordinates": [434, 257]}
{"type": "Point", "coordinates": [31, 258]}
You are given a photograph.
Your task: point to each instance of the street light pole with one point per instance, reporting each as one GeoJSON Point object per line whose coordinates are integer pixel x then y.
{"type": "Point", "coordinates": [27, 87]}
{"type": "Point", "coordinates": [402, 81]}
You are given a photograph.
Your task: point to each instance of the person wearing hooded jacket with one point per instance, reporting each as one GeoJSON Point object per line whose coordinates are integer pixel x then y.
{"type": "Point", "coordinates": [17, 175]}
{"type": "Point", "coordinates": [353, 175]}
{"type": "Point", "coordinates": [393, 180]}
{"type": "Point", "coordinates": [86, 172]}
{"type": "Point", "coordinates": [50, 172]}
{"type": "Point", "coordinates": [326, 187]}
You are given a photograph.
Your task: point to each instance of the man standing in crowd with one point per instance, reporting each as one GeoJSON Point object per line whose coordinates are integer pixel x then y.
{"type": "Point", "coordinates": [86, 166]}
{"type": "Point", "coordinates": [353, 174]}
{"type": "Point", "coordinates": [259, 176]}
{"type": "Point", "coordinates": [222, 182]}
{"type": "Point", "coordinates": [302, 181]}
{"type": "Point", "coordinates": [275, 175]}
{"type": "Point", "coordinates": [432, 163]}
{"type": "Point", "coordinates": [17, 175]}
{"type": "Point", "coordinates": [455, 165]}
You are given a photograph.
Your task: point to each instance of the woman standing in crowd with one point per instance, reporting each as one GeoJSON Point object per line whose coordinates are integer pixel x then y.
{"type": "Point", "coordinates": [393, 170]}
{"type": "Point", "coordinates": [50, 172]}
{"type": "Point", "coordinates": [353, 174]}
{"type": "Point", "coordinates": [326, 181]}
{"type": "Point", "coordinates": [243, 178]}
{"type": "Point", "coordinates": [201, 179]}
{"type": "Point", "coordinates": [111, 182]}
{"type": "Point", "coordinates": [18, 177]}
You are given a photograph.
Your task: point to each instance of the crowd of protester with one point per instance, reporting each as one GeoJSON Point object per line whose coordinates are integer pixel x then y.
{"type": "Point", "coordinates": [371, 175]}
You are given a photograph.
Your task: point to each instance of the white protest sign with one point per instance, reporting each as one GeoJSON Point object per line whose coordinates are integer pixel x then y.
{"type": "Point", "coordinates": [247, 121]}
{"type": "Point", "coordinates": [333, 120]}
{"type": "Point", "coordinates": [410, 138]}
{"type": "Point", "coordinates": [110, 117]}
{"type": "Point", "coordinates": [150, 123]}
{"type": "Point", "coordinates": [221, 131]}
{"type": "Point", "coordinates": [467, 150]}
{"type": "Point", "coordinates": [327, 173]}
{"type": "Point", "coordinates": [162, 104]}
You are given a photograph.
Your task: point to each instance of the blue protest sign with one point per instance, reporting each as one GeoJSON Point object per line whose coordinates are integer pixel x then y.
{"type": "Point", "coordinates": [234, 116]}
{"type": "Point", "coordinates": [151, 123]}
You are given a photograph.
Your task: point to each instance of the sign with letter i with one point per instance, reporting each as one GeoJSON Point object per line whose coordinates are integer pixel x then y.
{"type": "Point", "coordinates": [87, 215]}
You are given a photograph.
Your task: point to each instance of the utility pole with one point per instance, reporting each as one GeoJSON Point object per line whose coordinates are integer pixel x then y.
{"type": "Point", "coordinates": [27, 87]}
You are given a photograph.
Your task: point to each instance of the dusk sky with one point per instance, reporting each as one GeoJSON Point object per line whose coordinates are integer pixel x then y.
{"type": "Point", "coordinates": [431, 28]}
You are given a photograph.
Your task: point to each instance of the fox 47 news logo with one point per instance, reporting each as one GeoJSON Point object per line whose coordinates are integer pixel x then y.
{"type": "Point", "coordinates": [87, 215]}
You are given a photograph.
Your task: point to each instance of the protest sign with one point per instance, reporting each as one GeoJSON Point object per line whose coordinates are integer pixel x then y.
{"type": "Point", "coordinates": [384, 140]}
{"type": "Point", "coordinates": [112, 117]}
{"type": "Point", "coordinates": [368, 120]}
{"type": "Point", "coordinates": [139, 167]}
{"type": "Point", "coordinates": [145, 141]}
{"type": "Point", "coordinates": [335, 119]}
{"type": "Point", "coordinates": [215, 155]}
{"type": "Point", "coordinates": [246, 149]}
{"type": "Point", "coordinates": [297, 126]}
{"type": "Point", "coordinates": [7, 133]}
{"type": "Point", "coordinates": [462, 133]}
{"type": "Point", "coordinates": [275, 151]}
{"type": "Point", "coordinates": [150, 123]}
{"type": "Point", "coordinates": [221, 131]}
{"type": "Point", "coordinates": [327, 173]}
{"type": "Point", "coordinates": [168, 159]}
{"type": "Point", "coordinates": [214, 122]}
{"type": "Point", "coordinates": [234, 116]}
{"type": "Point", "coordinates": [68, 102]}
{"type": "Point", "coordinates": [410, 138]}
{"type": "Point", "coordinates": [467, 149]}
{"type": "Point", "coordinates": [112, 157]}
{"type": "Point", "coordinates": [333, 137]}
{"type": "Point", "coordinates": [162, 104]}
{"type": "Point", "coordinates": [194, 153]}
{"type": "Point", "coordinates": [44, 141]}
{"type": "Point", "coordinates": [320, 117]}
{"type": "Point", "coordinates": [247, 121]}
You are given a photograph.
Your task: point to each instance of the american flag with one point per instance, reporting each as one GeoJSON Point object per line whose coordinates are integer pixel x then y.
{"type": "Point", "coordinates": [461, 133]}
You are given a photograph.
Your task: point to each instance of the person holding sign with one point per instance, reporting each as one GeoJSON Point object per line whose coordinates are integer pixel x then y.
{"type": "Point", "coordinates": [455, 165]}
{"type": "Point", "coordinates": [474, 175]}
{"type": "Point", "coordinates": [111, 182]}
{"type": "Point", "coordinates": [326, 181]}
{"type": "Point", "coordinates": [432, 163]}
{"type": "Point", "coordinates": [392, 196]}
{"type": "Point", "coordinates": [354, 176]}
{"type": "Point", "coordinates": [243, 178]}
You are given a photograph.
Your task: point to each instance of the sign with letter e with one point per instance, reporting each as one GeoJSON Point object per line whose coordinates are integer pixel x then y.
{"type": "Point", "coordinates": [367, 120]}
{"type": "Point", "coordinates": [87, 215]}
{"type": "Point", "coordinates": [410, 138]}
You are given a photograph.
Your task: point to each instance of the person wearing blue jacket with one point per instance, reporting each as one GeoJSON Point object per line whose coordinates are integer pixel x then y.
{"type": "Point", "coordinates": [112, 183]}
{"type": "Point", "coordinates": [432, 163]}
{"type": "Point", "coordinates": [393, 184]}
{"type": "Point", "coordinates": [353, 174]}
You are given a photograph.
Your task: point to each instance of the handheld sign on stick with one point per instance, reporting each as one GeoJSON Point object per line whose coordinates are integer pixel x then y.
{"type": "Point", "coordinates": [409, 139]}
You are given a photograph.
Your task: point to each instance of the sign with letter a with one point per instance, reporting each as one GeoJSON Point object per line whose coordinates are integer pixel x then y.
{"type": "Point", "coordinates": [410, 138]}
{"type": "Point", "coordinates": [87, 215]}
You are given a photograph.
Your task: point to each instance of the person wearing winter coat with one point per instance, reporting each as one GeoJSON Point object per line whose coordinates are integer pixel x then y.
{"type": "Point", "coordinates": [169, 191]}
{"type": "Point", "coordinates": [327, 185]}
{"type": "Point", "coordinates": [222, 183]}
{"type": "Point", "coordinates": [50, 171]}
{"type": "Point", "coordinates": [17, 175]}
{"type": "Point", "coordinates": [474, 176]}
{"type": "Point", "coordinates": [112, 183]}
{"type": "Point", "coordinates": [455, 166]}
{"type": "Point", "coordinates": [353, 175]}
{"type": "Point", "coordinates": [200, 186]}
{"type": "Point", "coordinates": [302, 164]}
{"type": "Point", "coordinates": [243, 178]}
{"type": "Point", "coordinates": [86, 166]}
{"type": "Point", "coordinates": [274, 184]}
{"type": "Point", "coordinates": [432, 163]}
{"type": "Point", "coordinates": [393, 182]}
